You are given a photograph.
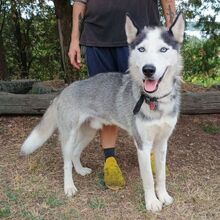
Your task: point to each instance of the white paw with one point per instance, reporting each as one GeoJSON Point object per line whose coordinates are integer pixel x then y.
{"type": "Point", "coordinates": [165, 198]}
{"type": "Point", "coordinates": [70, 190]}
{"type": "Point", "coordinates": [153, 204]}
{"type": "Point", "coordinates": [84, 171]}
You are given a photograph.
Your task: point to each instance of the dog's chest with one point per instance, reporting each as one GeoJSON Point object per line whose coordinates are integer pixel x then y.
{"type": "Point", "coordinates": [150, 129]}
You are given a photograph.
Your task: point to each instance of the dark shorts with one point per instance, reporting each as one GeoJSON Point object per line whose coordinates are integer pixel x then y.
{"type": "Point", "coordinates": [106, 59]}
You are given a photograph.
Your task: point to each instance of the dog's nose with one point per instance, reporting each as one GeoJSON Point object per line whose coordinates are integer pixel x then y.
{"type": "Point", "coordinates": [149, 70]}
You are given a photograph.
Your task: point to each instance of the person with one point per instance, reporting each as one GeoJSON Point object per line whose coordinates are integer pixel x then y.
{"type": "Point", "coordinates": [99, 25]}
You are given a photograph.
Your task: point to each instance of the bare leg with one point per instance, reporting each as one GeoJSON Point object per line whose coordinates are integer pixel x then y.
{"type": "Point", "coordinates": [109, 135]}
{"type": "Point", "coordinates": [113, 177]}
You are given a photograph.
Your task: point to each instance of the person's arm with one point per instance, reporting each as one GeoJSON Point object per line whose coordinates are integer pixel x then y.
{"type": "Point", "coordinates": [169, 11]}
{"type": "Point", "coordinates": [79, 8]}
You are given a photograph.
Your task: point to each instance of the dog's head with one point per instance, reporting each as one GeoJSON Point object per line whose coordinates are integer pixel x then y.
{"type": "Point", "coordinates": [154, 53]}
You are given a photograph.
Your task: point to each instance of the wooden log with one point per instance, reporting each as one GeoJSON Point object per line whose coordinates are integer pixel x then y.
{"type": "Point", "coordinates": [31, 104]}
{"type": "Point", "coordinates": [201, 103]}
{"type": "Point", "coordinates": [17, 86]}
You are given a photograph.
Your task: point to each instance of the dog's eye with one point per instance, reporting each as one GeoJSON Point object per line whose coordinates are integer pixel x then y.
{"type": "Point", "coordinates": [141, 49]}
{"type": "Point", "coordinates": [163, 49]}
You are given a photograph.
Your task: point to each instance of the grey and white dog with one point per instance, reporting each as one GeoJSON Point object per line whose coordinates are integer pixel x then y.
{"type": "Point", "coordinates": [144, 102]}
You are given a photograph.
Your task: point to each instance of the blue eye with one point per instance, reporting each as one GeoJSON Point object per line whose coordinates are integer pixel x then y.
{"type": "Point", "coordinates": [141, 49]}
{"type": "Point", "coordinates": [163, 49]}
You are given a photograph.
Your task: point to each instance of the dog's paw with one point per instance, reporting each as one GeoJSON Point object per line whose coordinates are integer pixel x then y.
{"type": "Point", "coordinates": [153, 204]}
{"type": "Point", "coordinates": [70, 190]}
{"type": "Point", "coordinates": [165, 198]}
{"type": "Point", "coordinates": [84, 171]}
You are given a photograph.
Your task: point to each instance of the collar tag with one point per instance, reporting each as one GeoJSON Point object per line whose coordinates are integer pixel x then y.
{"type": "Point", "coordinates": [152, 105]}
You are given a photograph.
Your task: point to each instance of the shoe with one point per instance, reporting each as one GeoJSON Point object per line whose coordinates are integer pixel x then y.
{"type": "Point", "coordinates": [153, 167]}
{"type": "Point", "coordinates": [113, 177]}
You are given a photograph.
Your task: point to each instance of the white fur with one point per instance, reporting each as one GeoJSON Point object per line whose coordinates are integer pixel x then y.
{"type": "Point", "coordinates": [155, 138]}
{"type": "Point", "coordinates": [33, 142]}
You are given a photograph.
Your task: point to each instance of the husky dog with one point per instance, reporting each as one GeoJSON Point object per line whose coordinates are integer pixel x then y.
{"type": "Point", "coordinates": [144, 102]}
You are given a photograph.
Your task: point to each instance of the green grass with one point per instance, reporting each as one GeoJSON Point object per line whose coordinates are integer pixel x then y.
{"type": "Point", "coordinates": [211, 129]}
{"type": "Point", "coordinates": [27, 215]}
{"type": "Point", "coordinates": [100, 181]}
{"type": "Point", "coordinates": [1, 129]}
{"type": "Point", "coordinates": [54, 202]}
{"type": "Point", "coordinates": [5, 211]}
{"type": "Point", "coordinates": [96, 203]}
{"type": "Point", "coordinates": [12, 196]}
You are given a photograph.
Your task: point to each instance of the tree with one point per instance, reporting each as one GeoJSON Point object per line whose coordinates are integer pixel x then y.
{"type": "Point", "coordinates": [3, 66]}
{"type": "Point", "coordinates": [63, 10]}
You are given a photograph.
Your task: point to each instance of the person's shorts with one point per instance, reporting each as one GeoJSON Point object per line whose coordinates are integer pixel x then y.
{"type": "Point", "coordinates": [106, 59]}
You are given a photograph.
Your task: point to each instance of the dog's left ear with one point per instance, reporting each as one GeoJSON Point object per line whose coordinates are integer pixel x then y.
{"type": "Point", "coordinates": [130, 29]}
{"type": "Point", "coordinates": [177, 28]}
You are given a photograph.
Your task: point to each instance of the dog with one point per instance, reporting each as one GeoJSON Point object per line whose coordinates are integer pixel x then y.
{"type": "Point", "coordinates": [145, 102]}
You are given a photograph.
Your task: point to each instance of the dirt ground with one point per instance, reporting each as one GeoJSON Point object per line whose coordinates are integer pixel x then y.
{"type": "Point", "coordinates": [32, 187]}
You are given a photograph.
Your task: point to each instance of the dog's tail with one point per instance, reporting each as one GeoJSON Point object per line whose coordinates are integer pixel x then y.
{"type": "Point", "coordinates": [42, 131]}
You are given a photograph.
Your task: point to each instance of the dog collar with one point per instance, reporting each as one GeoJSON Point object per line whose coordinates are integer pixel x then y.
{"type": "Point", "coordinates": [151, 101]}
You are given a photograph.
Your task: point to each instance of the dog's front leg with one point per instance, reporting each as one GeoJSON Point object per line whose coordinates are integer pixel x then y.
{"type": "Point", "coordinates": [151, 201]}
{"type": "Point", "coordinates": [160, 150]}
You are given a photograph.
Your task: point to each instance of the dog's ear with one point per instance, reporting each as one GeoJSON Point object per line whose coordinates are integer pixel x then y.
{"type": "Point", "coordinates": [177, 28]}
{"type": "Point", "coordinates": [130, 29]}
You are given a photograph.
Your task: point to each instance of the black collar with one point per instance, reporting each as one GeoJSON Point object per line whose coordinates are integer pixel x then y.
{"type": "Point", "coordinates": [151, 101]}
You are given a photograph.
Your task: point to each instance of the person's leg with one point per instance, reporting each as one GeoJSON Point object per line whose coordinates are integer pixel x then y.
{"type": "Point", "coordinates": [101, 60]}
{"type": "Point", "coordinates": [122, 54]}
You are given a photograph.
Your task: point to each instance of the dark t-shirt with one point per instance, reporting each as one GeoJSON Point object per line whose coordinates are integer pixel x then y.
{"type": "Point", "coordinates": [104, 22]}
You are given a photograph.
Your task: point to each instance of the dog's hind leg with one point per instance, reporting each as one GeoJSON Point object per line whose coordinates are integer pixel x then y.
{"type": "Point", "coordinates": [85, 135]}
{"type": "Point", "coordinates": [67, 142]}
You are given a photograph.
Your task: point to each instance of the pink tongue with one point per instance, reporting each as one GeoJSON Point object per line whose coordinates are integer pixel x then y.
{"type": "Point", "coordinates": [150, 85]}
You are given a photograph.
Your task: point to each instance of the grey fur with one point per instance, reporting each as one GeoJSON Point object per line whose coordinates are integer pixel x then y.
{"type": "Point", "coordinates": [85, 106]}
{"type": "Point", "coordinates": [169, 39]}
{"type": "Point", "coordinates": [140, 37]}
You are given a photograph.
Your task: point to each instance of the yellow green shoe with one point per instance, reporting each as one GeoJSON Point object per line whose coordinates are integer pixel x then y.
{"type": "Point", "coordinates": [153, 167]}
{"type": "Point", "coordinates": [113, 177]}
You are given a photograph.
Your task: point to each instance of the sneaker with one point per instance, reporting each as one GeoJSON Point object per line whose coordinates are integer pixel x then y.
{"type": "Point", "coordinates": [113, 177]}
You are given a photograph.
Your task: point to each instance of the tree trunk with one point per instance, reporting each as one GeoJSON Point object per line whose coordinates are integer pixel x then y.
{"type": "Point", "coordinates": [3, 67]}
{"type": "Point", "coordinates": [63, 11]}
{"type": "Point", "coordinates": [22, 56]}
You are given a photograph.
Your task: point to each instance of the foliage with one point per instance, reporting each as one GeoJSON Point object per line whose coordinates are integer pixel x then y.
{"type": "Point", "coordinates": [202, 61]}
{"type": "Point", "coordinates": [205, 13]}
{"type": "Point", "coordinates": [202, 56]}
{"type": "Point", "coordinates": [32, 50]}
{"type": "Point", "coordinates": [30, 36]}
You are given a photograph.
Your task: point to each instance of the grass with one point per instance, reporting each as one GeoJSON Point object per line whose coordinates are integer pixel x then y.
{"type": "Point", "coordinates": [26, 214]}
{"type": "Point", "coordinates": [32, 188]}
{"type": "Point", "coordinates": [96, 203]}
{"type": "Point", "coordinates": [12, 196]}
{"type": "Point", "coordinates": [53, 202]}
{"type": "Point", "coordinates": [100, 181]}
{"type": "Point", "coordinates": [211, 129]}
{"type": "Point", "coordinates": [5, 211]}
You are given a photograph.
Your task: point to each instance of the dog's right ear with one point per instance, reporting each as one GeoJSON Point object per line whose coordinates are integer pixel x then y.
{"type": "Point", "coordinates": [178, 27]}
{"type": "Point", "coordinates": [130, 29]}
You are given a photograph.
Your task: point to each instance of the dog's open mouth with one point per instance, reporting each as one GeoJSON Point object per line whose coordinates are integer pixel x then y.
{"type": "Point", "coordinates": [151, 85]}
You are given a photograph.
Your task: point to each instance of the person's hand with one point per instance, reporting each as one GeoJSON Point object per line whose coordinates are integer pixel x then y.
{"type": "Point", "coordinates": [74, 54]}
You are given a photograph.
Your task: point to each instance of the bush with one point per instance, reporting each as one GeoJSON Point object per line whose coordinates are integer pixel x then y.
{"type": "Point", "coordinates": [202, 61]}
